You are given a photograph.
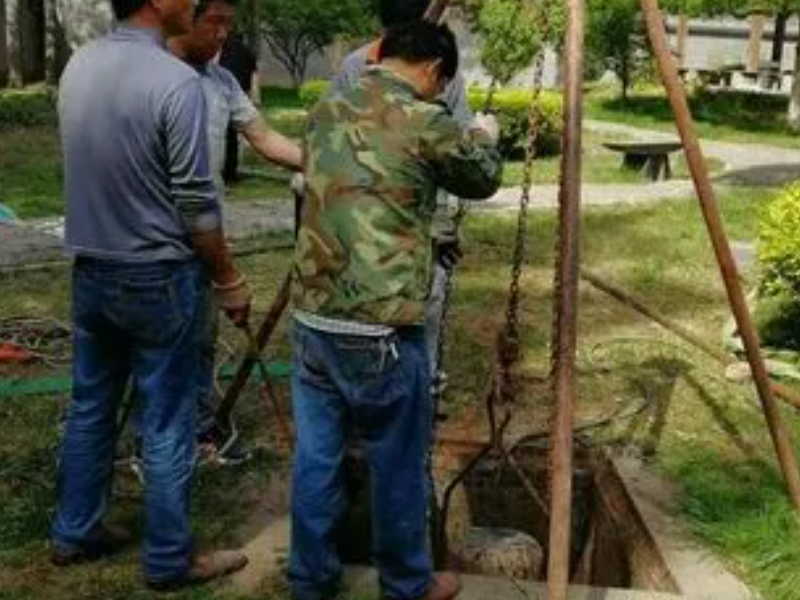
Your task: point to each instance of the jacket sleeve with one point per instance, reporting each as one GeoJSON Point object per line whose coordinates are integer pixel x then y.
{"type": "Point", "coordinates": [464, 161]}
{"type": "Point", "coordinates": [185, 128]}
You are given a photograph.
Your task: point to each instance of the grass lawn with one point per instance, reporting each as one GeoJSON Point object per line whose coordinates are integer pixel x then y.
{"type": "Point", "coordinates": [729, 116]}
{"type": "Point", "coordinates": [675, 406]}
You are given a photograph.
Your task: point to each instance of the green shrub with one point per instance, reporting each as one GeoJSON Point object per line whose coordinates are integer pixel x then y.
{"type": "Point", "coordinates": [312, 91]}
{"type": "Point", "coordinates": [777, 312]}
{"type": "Point", "coordinates": [512, 106]}
{"type": "Point", "coordinates": [779, 242]}
{"type": "Point", "coordinates": [25, 108]}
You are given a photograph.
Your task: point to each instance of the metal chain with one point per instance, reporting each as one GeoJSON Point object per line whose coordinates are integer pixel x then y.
{"type": "Point", "coordinates": [509, 350]}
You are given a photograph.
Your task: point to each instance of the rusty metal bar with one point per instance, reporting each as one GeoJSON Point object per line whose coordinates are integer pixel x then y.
{"type": "Point", "coordinates": [566, 309]}
{"type": "Point", "coordinates": [785, 393]}
{"type": "Point", "coordinates": [248, 364]}
{"type": "Point", "coordinates": [722, 250]}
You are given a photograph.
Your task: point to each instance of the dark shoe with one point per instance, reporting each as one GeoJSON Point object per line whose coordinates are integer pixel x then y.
{"type": "Point", "coordinates": [445, 586]}
{"type": "Point", "coordinates": [105, 540]}
{"type": "Point", "coordinates": [216, 446]}
{"type": "Point", "coordinates": [204, 568]}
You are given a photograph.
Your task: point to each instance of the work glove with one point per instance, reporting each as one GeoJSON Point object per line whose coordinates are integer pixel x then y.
{"type": "Point", "coordinates": [234, 299]}
{"type": "Point", "coordinates": [488, 123]}
{"type": "Point", "coordinates": [448, 252]}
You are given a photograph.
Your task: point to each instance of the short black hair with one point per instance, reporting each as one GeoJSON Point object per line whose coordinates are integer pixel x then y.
{"type": "Point", "coordinates": [398, 12]}
{"type": "Point", "coordinates": [125, 8]}
{"type": "Point", "coordinates": [420, 41]}
{"type": "Point", "coordinates": [202, 6]}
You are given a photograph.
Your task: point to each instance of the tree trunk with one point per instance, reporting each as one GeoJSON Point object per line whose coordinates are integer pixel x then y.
{"type": "Point", "coordinates": [31, 40]}
{"type": "Point", "coordinates": [682, 39]}
{"type": "Point", "coordinates": [753, 59]}
{"type": "Point", "coordinates": [58, 48]}
{"type": "Point", "coordinates": [4, 64]}
{"type": "Point", "coordinates": [794, 102]}
{"type": "Point", "coordinates": [779, 38]}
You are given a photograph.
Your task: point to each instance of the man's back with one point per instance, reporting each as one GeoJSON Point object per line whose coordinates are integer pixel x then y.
{"type": "Point", "coordinates": [132, 157]}
{"type": "Point", "coordinates": [375, 156]}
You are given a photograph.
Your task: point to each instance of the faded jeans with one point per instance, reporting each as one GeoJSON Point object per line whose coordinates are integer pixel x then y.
{"type": "Point", "coordinates": [142, 321]}
{"type": "Point", "coordinates": [381, 387]}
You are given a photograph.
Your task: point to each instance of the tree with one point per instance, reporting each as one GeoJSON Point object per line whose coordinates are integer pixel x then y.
{"type": "Point", "coordinates": [514, 31]}
{"type": "Point", "coordinates": [615, 38]}
{"type": "Point", "coordinates": [4, 66]}
{"type": "Point", "coordinates": [31, 40]}
{"type": "Point", "coordinates": [294, 31]}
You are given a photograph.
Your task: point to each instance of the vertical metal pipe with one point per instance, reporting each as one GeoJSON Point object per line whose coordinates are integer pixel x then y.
{"type": "Point", "coordinates": [566, 309]}
{"type": "Point", "coordinates": [722, 250]}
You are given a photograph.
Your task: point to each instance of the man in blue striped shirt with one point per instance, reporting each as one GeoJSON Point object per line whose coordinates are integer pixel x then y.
{"type": "Point", "coordinates": [144, 225]}
{"type": "Point", "coordinates": [227, 106]}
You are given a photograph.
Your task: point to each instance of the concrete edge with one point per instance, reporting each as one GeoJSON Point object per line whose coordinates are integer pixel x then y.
{"type": "Point", "coordinates": [699, 574]}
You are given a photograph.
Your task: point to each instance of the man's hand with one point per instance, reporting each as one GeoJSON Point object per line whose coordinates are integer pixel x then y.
{"type": "Point", "coordinates": [235, 299]}
{"type": "Point", "coordinates": [448, 252]}
{"type": "Point", "coordinates": [230, 286]}
{"type": "Point", "coordinates": [489, 124]}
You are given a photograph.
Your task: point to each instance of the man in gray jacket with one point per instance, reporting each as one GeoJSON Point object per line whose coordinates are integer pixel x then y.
{"type": "Point", "coordinates": [144, 226]}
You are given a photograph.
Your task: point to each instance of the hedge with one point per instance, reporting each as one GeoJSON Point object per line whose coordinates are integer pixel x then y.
{"type": "Point", "coordinates": [25, 108]}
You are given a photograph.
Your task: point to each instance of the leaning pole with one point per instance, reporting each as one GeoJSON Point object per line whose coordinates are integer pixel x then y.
{"type": "Point", "coordinates": [566, 309]}
{"type": "Point", "coordinates": [722, 250]}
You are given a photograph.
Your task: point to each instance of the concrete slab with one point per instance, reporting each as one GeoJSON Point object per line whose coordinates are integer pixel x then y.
{"type": "Point", "coordinates": [362, 584]}
{"type": "Point", "coordinates": [698, 573]}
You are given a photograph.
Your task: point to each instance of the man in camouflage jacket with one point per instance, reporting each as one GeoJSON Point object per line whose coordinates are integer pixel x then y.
{"type": "Point", "coordinates": [444, 230]}
{"type": "Point", "coordinates": [374, 157]}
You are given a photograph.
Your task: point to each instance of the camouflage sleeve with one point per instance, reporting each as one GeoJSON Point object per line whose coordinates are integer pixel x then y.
{"type": "Point", "coordinates": [465, 161]}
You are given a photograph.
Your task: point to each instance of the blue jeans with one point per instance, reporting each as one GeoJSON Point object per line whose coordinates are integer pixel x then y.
{"type": "Point", "coordinates": [142, 321]}
{"type": "Point", "coordinates": [380, 386]}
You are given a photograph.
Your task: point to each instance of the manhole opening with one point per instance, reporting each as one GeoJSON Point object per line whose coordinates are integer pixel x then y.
{"type": "Point", "coordinates": [496, 526]}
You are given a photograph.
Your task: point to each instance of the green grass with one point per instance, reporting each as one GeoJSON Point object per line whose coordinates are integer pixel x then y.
{"type": "Point", "coordinates": [31, 172]}
{"type": "Point", "coordinates": [727, 116]}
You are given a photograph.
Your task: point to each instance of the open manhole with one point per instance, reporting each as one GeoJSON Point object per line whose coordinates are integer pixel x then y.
{"type": "Point", "coordinates": [496, 526]}
{"type": "Point", "coordinates": [623, 538]}
{"type": "Point", "coordinates": [611, 545]}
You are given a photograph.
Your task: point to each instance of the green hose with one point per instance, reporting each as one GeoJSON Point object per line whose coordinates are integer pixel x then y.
{"type": "Point", "coordinates": [43, 386]}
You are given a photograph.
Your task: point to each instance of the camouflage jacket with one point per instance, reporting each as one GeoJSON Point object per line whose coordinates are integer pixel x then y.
{"type": "Point", "coordinates": [374, 157]}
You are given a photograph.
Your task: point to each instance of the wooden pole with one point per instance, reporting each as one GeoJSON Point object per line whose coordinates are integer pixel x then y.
{"type": "Point", "coordinates": [682, 40]}
{"type": "Point", "coordinates": [566, 309]}
{"type": "Point", "coordinates": [753, 59]}
{"type": "Point", "coordinates": [722, 250]}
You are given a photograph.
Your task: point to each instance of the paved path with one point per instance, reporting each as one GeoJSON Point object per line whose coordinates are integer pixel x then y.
{"type": "Point", "coordinates": [40, 240]}
{"type": "Point", "coordinates": [745, 164]}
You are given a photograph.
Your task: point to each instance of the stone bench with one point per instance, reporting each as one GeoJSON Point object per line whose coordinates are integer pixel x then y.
{"type": "Point", "coordinates": [652, 157]}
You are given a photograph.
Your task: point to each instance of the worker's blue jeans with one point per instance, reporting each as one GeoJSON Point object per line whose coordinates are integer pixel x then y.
{"type": "Point", "coordinates": [382, 387]}
{"type": "Point", "coordinates": [143, 321]}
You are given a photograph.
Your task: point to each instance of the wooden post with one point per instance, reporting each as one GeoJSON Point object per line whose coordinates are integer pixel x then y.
{"type": "Point", "coordinates": [566, 309]}
{"type": "Point", "coordinates": [753, 59]}
{"type": "Point", "coordinates": [682, 39]}
{"type": "Point", "coordinates": [722, 250]}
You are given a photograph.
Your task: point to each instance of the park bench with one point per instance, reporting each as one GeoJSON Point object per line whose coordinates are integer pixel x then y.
{"type": "Point", "coordinates": [652, 157]}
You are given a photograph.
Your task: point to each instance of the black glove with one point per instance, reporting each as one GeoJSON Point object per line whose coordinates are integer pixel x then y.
{"type": "Point", "coordinates": [448, 253]}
